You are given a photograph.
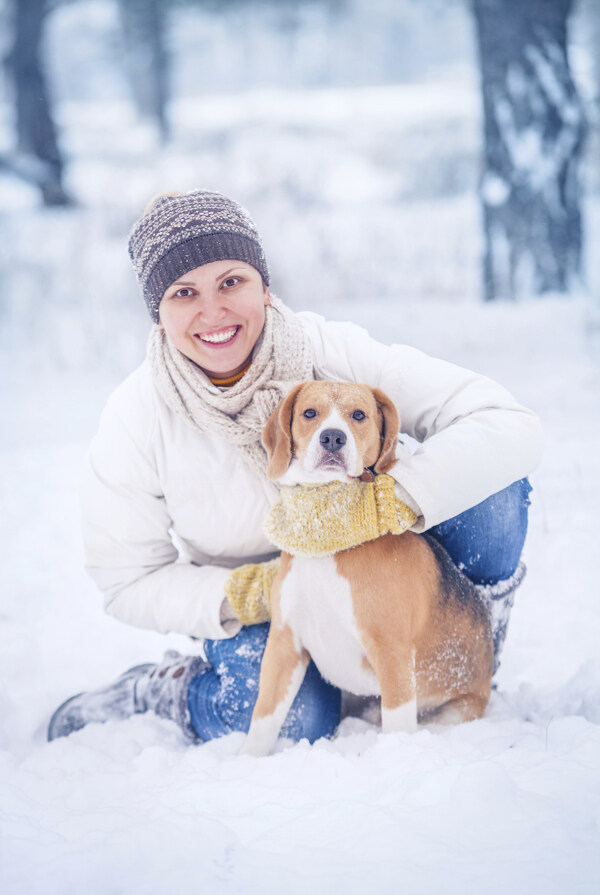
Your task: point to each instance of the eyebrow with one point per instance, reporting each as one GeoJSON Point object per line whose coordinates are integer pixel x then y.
{"type": "Point", "coordinates": [189, 283]}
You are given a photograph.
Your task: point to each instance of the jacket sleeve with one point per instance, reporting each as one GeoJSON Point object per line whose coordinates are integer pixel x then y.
{"type": "Point", "coordinates": [128, 547]}
{"type": "Point", "coordinates": [474, 438]}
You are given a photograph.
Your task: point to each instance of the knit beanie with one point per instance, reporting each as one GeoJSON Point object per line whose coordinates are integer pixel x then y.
{"type": "Point", "coordinates": [181, 231]}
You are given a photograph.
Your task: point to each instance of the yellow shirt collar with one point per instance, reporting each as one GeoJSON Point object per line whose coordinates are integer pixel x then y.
{"type": "Point", "coordinates": [230, 380]}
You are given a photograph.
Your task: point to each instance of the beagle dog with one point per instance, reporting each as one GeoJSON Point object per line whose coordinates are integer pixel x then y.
{"type": "Point", "coordinates": [393, 616]}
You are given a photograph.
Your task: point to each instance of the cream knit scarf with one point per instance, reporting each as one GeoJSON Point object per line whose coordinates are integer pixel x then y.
{"type": "Point", "coordinates": [282, 359]}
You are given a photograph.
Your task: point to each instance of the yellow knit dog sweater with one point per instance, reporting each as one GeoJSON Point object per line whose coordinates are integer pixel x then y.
{"type": "Point", "coordinates": [317, 520]}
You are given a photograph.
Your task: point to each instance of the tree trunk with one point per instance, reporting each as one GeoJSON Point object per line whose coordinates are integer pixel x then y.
{"type": "Point", "coordinates": [38, 157]}
{"type": "Point", "coordinates": [146, 58]}
{"type": "Point", "coordinates": [534, 129]}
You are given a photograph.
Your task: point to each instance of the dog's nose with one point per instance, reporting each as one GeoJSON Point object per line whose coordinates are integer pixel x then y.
{"type": "Point", "coordinates": [332, 439]}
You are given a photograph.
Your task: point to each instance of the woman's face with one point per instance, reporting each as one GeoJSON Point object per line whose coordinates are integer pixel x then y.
{"type": "Point", "coordinates": [214, 315]}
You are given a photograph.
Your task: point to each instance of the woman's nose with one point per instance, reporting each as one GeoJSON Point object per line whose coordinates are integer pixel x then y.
{"type": "Point", "coordinates": [211, 308]}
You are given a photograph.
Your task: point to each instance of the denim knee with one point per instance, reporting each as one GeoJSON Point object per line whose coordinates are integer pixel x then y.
{"type": "Point", "coordinates": [221, 699]}
{"type": "Point", "coordinates": [487, 540]}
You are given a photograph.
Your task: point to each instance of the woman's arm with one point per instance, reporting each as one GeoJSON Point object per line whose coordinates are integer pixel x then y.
{"type": "Point", "coordinates": [129, 552]}
{"type": "Point", "coordinates": [475, 439]}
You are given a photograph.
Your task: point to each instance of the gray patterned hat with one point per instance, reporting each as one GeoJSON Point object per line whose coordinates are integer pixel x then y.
{"type": "Point", "coordinates": [182, 231]}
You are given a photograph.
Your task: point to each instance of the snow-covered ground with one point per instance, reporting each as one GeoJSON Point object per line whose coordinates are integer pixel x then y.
{"type": "Point", "coordinates": [510, 803]}
{"type": "Point", "coordinates": [507, 803]}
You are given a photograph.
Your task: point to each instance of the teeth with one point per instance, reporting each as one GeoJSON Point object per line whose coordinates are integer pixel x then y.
{"type": "Point", "coordinates": [220, 337]}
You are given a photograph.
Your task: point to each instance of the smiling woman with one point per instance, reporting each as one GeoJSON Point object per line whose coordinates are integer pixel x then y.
{"type": "Point", "coordinates": [179, 459]}
{"type": "Point", "coordinates": [215, 314]}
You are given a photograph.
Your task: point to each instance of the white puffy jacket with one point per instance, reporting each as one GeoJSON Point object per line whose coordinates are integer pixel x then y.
{"type": "Point", "coordinates": [152, 476]}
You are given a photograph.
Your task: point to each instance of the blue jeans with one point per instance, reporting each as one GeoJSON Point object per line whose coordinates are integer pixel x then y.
{"type": "Point", "coordinates": [485, 542]}
{"type": "Point", "coordinates": [222, 698]}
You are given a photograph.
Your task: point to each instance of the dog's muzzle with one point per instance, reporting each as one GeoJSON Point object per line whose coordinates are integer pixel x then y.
{"type": "Point", "coordinates": [333, 440]}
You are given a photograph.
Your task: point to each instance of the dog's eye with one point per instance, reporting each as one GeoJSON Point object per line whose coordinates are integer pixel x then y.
{"type": "Point", "coordinates": [358, 415]}
{"type": "Point", "coordinates": [309, 414]}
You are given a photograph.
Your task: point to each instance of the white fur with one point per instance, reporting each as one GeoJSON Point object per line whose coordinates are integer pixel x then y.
{"type": "Point", "coordinates": [348, 454]}
{"type": "Point", "coordinates": [403, 717]}
{"type": "Point", "coordinates": [296, 474]}
{"type": "Point", "coordinates": [311, 470]}
{"type": "Point", "coordinates": [263, 732]}
{"type": "Point", "coordinates": [316, 602]}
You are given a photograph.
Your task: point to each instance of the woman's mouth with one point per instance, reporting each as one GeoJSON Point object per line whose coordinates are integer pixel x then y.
{"type": "Point", "coordinates": [220, 337]}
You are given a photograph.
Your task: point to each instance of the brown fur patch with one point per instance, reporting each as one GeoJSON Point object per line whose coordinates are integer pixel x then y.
{"type": "Point", "coordinates": [281, 657]}
{"type": "Point", "coordinates": [277, 436]}
{"type": "Point", "coordinates": [390, 428]}
{"type": "Point", "coordinates": [422, 634]}
{"type": "Point", "coordinates": [280, 661]}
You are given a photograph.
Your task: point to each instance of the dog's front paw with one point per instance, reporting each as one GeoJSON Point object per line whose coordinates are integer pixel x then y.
{"type": "Point", "coordinates": [260, 740]}
{"type": "Point", "coordinates": [248, 748]}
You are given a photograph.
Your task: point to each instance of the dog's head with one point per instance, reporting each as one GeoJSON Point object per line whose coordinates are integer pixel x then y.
{"type": "Point", "coordinates": [330, 431]}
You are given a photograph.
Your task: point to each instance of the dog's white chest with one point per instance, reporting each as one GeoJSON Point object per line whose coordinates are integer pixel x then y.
{"type": "Point", "coordinates": [317, 604]}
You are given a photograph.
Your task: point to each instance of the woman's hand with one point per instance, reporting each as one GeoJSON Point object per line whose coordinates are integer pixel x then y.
{"type": "Point", "coordinates": [248, 591]}
{"type": "Point", "coordinates": [318, 520]}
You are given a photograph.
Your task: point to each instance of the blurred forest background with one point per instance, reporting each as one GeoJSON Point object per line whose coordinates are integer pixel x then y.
{"type": "Point", "coordinates": [393, 151]}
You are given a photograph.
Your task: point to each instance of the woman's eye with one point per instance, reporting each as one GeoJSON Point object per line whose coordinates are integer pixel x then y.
{"type": "Point", "coordinates": [231, 281]}
{"type": "Point", "coordinates": [359, 415]}
{"type": "Point", "coordinates": [183, 293]}
{"type": "Point", "coordinates": [309, 414]}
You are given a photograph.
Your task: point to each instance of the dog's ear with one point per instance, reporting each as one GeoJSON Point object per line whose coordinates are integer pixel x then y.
{"type": "Point", "coordinates": [277, 435]}
{"type": "Point", "coordinates": [390, 428]}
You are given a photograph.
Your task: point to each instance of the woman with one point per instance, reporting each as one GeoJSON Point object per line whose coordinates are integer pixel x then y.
{"type": "Point", "coordinates": [176, 490]}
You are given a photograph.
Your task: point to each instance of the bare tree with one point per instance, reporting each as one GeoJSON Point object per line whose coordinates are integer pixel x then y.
{"type": "Point", "coordinates": [590, 9]}
{"type": "Point", "coordinates": [534, 130]}
{"type": "Point", "coordinates": [38, 156]}
{"type": "Point", "coordinates": [144, 25]}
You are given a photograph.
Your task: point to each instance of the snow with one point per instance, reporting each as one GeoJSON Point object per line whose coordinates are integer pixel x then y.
{"type": "Point", "coordinates": [507, 803]}
{"type": "Point", "coordinates": [494, 190]}
{"type": "Point", "coordinates": [510, 802]}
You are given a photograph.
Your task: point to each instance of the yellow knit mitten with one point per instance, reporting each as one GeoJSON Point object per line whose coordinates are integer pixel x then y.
{"type": "Point", "coordinates": [316, 520]}
{"type": "Point", "coordinates": [248, 590]}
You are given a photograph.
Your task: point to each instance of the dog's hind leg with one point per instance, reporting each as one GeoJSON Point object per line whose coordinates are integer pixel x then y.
{"type": "Point", "coordinates": [281, 675]}
{"type": "Point", "coordinates": [400, 717]}
{"type": "Point", "coordinates": [468, 707]}
{"type": "Point", "coordinates": [395, 670]}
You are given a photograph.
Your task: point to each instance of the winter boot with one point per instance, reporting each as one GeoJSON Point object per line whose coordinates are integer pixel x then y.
{"type": "Point", "coordinates": [158, 688]}
{"type": "Point", "coordinates": [499, 599]}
